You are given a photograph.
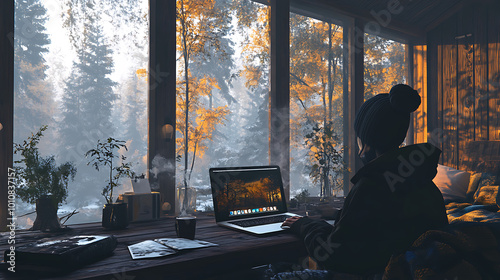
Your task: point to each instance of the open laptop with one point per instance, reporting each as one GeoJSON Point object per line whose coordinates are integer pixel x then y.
{"type": "Point", "coordinates": [249, 199]}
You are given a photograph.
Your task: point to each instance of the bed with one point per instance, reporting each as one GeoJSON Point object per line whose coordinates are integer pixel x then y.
{"type": "Point", "coordinates": [469, 248]}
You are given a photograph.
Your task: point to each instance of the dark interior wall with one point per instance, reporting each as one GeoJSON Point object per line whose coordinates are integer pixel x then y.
{"type": "Point", "coordinates": [464, 83]}
{"type": "Point", "coordinates": [6, 104]}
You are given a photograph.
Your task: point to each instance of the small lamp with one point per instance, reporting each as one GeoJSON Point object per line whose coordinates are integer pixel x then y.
{"type": "Point", "coordinates": [1, 126]}
{"type": "Point", "coordinates": [167, 132]}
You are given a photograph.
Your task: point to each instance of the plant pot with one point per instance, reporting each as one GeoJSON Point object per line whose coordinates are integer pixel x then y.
{"type": "Point", "coordinates": [114, 216]}
{"type": "Point", "coordinates": [46, 216]}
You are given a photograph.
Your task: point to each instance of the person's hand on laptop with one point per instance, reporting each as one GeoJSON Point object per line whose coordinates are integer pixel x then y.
{"type": "Point", "coordinates": [290, 221]}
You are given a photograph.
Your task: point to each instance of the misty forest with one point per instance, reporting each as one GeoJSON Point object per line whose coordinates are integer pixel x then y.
{"type": "Point", "coordinates": [81, 67]}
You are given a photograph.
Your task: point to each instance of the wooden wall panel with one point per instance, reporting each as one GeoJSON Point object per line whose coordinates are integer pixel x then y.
{"type": "Point", "coordinates": [439, 131]}
{"type": "Point", "coordinates": [449, 73]}
{"type": "Point", "coordinates": [480, 37]}
{"type": "Point", "coordinates": [410, 71]}
{"type": "Point", "coordinates": [420, 84]}
{"type": "Point", "coordinates": [494, 73]}
{"type": "Point", "coordinates": [465, 82]}
{"type": "Point", "coordinates": [434, 89]}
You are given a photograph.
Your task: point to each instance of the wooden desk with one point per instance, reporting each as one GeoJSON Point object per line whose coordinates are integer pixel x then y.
{"type": "Point", "coordinates": [236, 252]}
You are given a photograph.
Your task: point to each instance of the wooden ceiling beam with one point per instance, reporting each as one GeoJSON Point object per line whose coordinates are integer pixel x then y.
{"type": "Point", "coordinates": [446, 15]}
{"type": "Point", "coordinates": [365, 15]}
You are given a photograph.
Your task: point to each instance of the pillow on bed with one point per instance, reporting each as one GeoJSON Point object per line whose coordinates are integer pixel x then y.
{"type": "Point", "coordinates": [475, 179]}
{"type": "Point", "coordinates": [452, 183]}
{"type": "Point", "coordinates": [487, 195]}
{"type": "Point", "coordinates": [487, 179]}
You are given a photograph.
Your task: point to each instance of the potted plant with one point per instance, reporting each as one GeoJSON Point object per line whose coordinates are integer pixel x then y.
{"type": "Point", "coordinates": [44, 183]}
{"type": "Point", "coordinates": [326, 156]}
{"type": "Point", "coordinates": [114, 215]}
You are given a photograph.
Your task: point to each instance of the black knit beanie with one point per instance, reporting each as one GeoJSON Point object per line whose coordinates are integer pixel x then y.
{"type": "Point", "coordinates": [382, 121]}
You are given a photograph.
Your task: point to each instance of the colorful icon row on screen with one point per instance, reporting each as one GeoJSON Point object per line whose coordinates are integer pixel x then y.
{"type": "Point", "coordinates": [252, 211]}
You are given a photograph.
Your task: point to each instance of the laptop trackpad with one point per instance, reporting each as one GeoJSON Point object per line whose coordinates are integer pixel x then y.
{"type": "Point", "coordinates": [265, 228]}
{"type": "Point", "coordinates": [273, 227]}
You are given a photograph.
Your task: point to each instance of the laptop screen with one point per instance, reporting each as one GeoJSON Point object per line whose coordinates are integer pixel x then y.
{"type": "Point", "coordinates": [243, 192]}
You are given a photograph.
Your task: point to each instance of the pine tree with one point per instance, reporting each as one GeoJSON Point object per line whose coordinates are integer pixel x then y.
{"type": "Point", "coordinates": [134, 116]}
{"type": "Point", "coordinates": [34, 103]}
{"type": "Point", "coordinates": [253, 22]}
{"type": "Point", "coordinates": [213, 60]}
{"type": "Point", "coordinates": [256, 138]}
{"type": "Point", "coordinates": [87, 103]}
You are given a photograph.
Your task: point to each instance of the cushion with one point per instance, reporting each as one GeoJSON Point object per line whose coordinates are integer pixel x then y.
{"type": "Point", "coordinates": [487, 179]}
{"type": "Point", "coordinates": [452, 183]}
{"type": "Point", "coordinates": [487, 195]}
{"type": "Point", "coordinates": [475, 179]}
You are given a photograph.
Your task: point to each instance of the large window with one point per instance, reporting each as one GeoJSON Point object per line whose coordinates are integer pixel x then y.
{"type": "Point", "coordinates": [76, 72]}
{"type": "Point", "coordinates": [385, 64]}
{"type": "Point", "coordinates": [316, 106]}
{"type": "Point", "coordinates": [87, 80]}
{"type": "Point", "coordinates": [223, 73]}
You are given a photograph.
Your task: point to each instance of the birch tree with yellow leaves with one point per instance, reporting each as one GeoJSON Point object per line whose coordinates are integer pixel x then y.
{"type": "Point", "coordinates": [316, 98]}
{"type": "Point", "coordinates": [200, 31]}
{"type": "Point", "coordinates": [385, 65]}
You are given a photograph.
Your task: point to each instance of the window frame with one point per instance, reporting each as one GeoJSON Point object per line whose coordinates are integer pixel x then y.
{"type": "Point", "coordinates": [6, 105]}
{"type": "Point", "coordinates": [162, 85]}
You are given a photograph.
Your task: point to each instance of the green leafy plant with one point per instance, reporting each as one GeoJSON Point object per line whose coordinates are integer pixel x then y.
{"type": "Point", "coordinates": [103, 155]}
{"type": "Point", "coordinates": [41, 176]}
{"type": "Point", "coordinates": [299, 199]}
{"type": "Point", "coordinates": [302, 196]}
{"type": "Point", "coordinates": [325, 153]}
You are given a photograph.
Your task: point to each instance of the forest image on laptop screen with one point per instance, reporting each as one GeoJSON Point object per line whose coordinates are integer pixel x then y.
{"type": "Point", "coordinates": [243, 192]}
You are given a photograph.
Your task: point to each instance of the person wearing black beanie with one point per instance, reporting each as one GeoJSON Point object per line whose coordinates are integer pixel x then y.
{"type": "Point", "coordinates": [382, 121]}
{"type": "Point", "coordinates": [393, 199]}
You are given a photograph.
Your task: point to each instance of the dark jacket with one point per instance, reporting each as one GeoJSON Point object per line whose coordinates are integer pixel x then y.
{"type": "Point", "coordinates": [393, 201]}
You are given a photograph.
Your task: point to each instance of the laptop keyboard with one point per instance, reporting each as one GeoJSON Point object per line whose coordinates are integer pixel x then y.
{"type": "Point", "coordinates": [261, 221]}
